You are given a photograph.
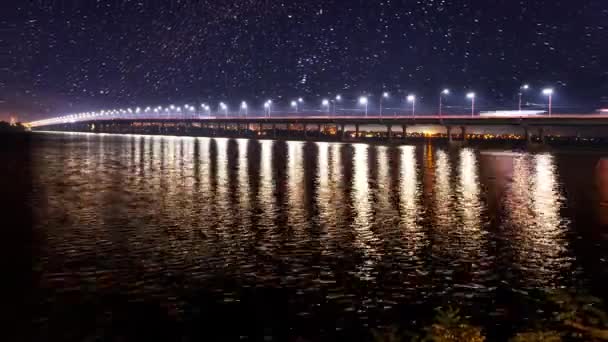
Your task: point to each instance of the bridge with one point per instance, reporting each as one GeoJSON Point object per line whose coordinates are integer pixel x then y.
{"type": "Point", "coordinates": [310, 126]}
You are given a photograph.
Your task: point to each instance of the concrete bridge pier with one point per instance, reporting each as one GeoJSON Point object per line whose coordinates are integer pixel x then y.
{"type": "Point", "coordinates": [449, 132]}
{"type": "Point", "coordinates": [342, 131]}
{"type": "Point", "coordinates": [305, 131]}
{"type": "Point", "coordinates": [320, 129]}
{"type": "Point", "coordinates": [274, 130]}
{"type": "Point", "coordinates": [356, 131]}
{"type": "Point", "coordinates": [527, 135]}
{"type": "Point", "coordinates": [389, 132]}
{"type": "Point", "coordinates": [463, 130]}
{"type": "Point", "coordinates": [541, 135]}
{"type": "Point", "coordinates": [404, 132]}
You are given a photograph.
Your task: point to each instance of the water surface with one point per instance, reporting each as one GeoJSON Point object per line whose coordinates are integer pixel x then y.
{"type": "Point", "coordinates": [188, 237]}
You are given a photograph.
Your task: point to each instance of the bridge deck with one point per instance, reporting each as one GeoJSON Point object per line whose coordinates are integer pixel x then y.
{"type": "Point", "coordinates": [451, 120]}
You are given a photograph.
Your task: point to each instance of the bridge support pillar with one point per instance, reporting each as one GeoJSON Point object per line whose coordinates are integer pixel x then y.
{"type": "Point", "coordinates": [449, 132]}
{"type": "Point", "coordinates": [527, 135]}
{"type": "Point", "coordinates": [274, 130]}
{"type": "Point", "coordinates": [342, 131]}
{"type": "Point", "coordinates": [541, 135]}
{"type": "Point", "coordinates": [319, 128]}
{"type": "Point", "coordinates": [356, 130]}
{"type": "Point", "coordinates": [404, 131]}
{"type": "Point", "coordinates": [463, 130]}
{"type": "Point", "coordinates": [305, 131]}
{"type": "Point", "coordinates": [389, 132]}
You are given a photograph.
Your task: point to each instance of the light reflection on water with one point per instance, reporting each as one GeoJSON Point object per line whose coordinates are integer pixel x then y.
{"type": "Point", "coordinates": [367, 228]}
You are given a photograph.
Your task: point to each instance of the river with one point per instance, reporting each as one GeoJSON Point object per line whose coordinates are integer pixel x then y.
{"type": "Point", "coordinates": [175, 236]}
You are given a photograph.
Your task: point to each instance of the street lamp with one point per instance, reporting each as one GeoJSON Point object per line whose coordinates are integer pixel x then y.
{"type": "Point", "coordinates": [338, 98]}
{"type": "Point", "coordinates": [363, 101]}
{"type": "Point", "coordinates": [244, 108]}
{"type": "Point", "coordinates": [521, 91]}
{"type": "Point", "coordinates": [224, 107]}
{"type": "Point", "coordinates": [325, 103]}
{"type": "Point", "coordinates": [384, 96]}
{"type": "Point", "coordinates": [294, 104]}
{"type": "Point", "coordinates": [471, 96]}
{"type": "Point", "coordinates": [412, 98]}
{"type": "Point", "coordinates": [444, 92]}
{"type": "Point", "coordinates": [548, 92]}
{"type": "Point", "coordinates": [268, 106]}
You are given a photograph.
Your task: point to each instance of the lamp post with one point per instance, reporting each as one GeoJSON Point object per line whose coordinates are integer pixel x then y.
{"type": "Point", "coordinates": [521, 91]}
{"type": "Point", "coordinates": [325, 104]}
{"type": "Point", "coordinates": [224, 107]}
{"type": "Point", "coordinates": [294, 104]}
{"type": "Point", "coordinates": [363, 101]}
{"type": "Point", "coordinates": [549, 92]}
{"type": "Point", "coordinates": [245, 108]}
{"type": "Point", "coordinates": [412, 98]}
{"type": "Point", "coordinates": [471, 96]}
{"type": "Point", "coordinates": [338, 98]}
{"type": "Point", "coordinates": [444, 92]}
{"type": "Point", "coordinates": [384, 96]}
{"type": "Point", "coordinates": [268, 107]}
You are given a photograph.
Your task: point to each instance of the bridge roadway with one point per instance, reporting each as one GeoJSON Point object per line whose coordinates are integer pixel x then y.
{"type": "Point", "coordinates": [523, 124]}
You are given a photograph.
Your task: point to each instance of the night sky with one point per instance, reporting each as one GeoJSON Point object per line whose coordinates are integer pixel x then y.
{"type": "Point", "coordinates": [66, 56]}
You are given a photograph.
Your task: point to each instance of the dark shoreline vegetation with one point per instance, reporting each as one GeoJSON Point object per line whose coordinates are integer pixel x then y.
{"type": "Point", "coordinates": [550, 316]}
{"type": "Point", "coordinates": [6, 127]}
{"type": "Point", "coordinates": [560, 315]}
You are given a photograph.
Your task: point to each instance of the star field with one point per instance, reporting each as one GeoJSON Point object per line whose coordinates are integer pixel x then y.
{"type": "Point", "coordinates": [64, 56]}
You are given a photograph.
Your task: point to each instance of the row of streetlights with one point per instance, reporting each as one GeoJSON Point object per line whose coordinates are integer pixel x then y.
{"type": "Point", "coordinates": [296, 104]}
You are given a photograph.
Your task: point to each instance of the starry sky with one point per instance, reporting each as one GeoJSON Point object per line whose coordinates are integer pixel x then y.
{"type": "Point", "coordinates": [64, 56]}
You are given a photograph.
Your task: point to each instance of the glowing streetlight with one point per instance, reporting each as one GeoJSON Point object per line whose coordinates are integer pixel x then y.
{"type": "Point", "coordinates": [549, 92]}
{"type": "Point", "coordinates": [224, 107]}
{"type": "Point", "coordinates": [521, 91]}
{"type": "Point", "coordinates": [245, 108]}
{"type": "Point", "coordinates": [363, 101]}
{"type": "Point", "coordinates": [444, 92]}
{"type": "Point", "coordinates": [268, 106]}
{"type": "Point", "coordinates": [384, 96]}
{"type": "Point", "coordinates": [294, 104]}
{"type": "Point", "coordinates": [412, 98]}
{"type": "Point", "coordinates": [471, 96]}
{"type": "Point", "coordinates": [336, 100]}
{"type": "Point", "coordinates": [325, 104]}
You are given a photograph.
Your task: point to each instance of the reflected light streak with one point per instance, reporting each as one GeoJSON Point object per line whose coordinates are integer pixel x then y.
{"type": "Point", "coordinates": [365, 238]}
{"type": "Point", "coordinates": [533, 204]}
{"type": "Point", "coordinates": [267, 200]}
{"type": "Point", "coordinates": [295, 187]}
{"type": "Point", "coordinates": [443, 192]}
{"type": "Point", "coordinates": [469, 190]}
{"type": "Point", "coordinates": [409, 191]}
{"type": "Point", "coordinates": [243, 188]}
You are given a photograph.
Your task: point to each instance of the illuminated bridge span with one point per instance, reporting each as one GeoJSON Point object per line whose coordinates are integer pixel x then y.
{"type": "Point", "coordinates": [336, 127]}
